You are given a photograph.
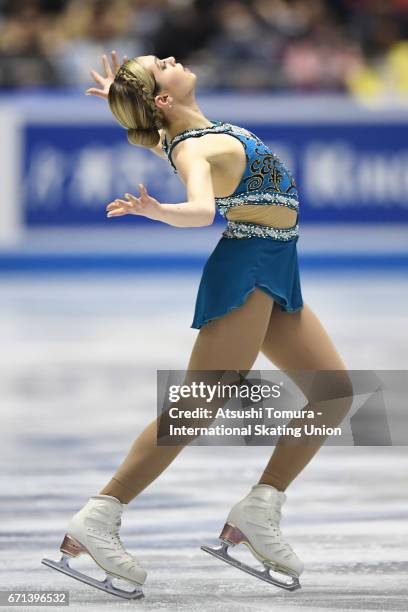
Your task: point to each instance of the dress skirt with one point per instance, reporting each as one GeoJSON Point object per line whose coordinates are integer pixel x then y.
{"type": "Point", "coordinates": [237, 266]}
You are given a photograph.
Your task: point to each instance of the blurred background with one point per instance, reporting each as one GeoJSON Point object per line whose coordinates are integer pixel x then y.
{"type": "Point", "coordinates": [357, 46]}
{"type": "Point", "coordinates": [91, 307]}
{"type": "Point", "coordinates": [325, 83]}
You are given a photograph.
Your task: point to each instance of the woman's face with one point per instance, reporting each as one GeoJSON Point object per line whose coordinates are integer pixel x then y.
{"type": "Point", "coordinates": [171, 76]}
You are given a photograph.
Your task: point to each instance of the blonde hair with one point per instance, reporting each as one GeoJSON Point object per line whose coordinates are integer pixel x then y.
{"type": "Point", "coordinates": [131, 100]}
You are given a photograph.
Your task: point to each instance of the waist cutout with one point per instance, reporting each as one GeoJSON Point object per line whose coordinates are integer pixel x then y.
{"type": "Point", "coordinates": [272, 215]}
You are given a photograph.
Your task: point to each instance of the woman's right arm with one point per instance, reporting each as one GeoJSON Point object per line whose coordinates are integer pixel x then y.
{"type": "Point", "coordinates": [105, 81]}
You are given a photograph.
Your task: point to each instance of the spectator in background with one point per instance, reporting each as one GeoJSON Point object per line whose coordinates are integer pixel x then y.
{"type": "Point", "coordinates": [383, 72]}
{"type": "Point", "coordinates": [360, 46]}
{"type": "Point", "coordinates": [185, 30]}
{"type": "Point", "coordinates": [323, 55]}
{"type": "Point", "coordinates": [88, 29]}
{"type": "Point", "coordinates": [281, 44]}
{"type": "Point", "coordinates": [24, 57]}
{"type": "Point", "coordinates": [147, 17]}
{"type": "Point", "coordinates": [185, 27]}
{"type": "Point", "coordinates": [245, 55]}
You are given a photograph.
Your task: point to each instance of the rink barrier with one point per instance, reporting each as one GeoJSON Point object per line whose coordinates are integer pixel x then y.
{"type": "Point", "coordinates": [70, 263]}
{"type": "Point", "coordinates": [63, 158]}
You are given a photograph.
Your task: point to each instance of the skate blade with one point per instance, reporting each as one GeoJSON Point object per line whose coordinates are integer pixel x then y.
{"type": "Point", "coordinates": [222, 554]}
{"type": "Point", "coordinates": [104, 585]}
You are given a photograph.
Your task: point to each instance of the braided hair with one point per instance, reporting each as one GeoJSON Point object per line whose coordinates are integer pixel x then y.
{"type": "Point", "coordinates": [131, 100]}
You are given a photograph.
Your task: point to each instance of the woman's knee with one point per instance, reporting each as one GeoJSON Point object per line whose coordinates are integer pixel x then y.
{"type": "Point", "coordinates": [332, 391]}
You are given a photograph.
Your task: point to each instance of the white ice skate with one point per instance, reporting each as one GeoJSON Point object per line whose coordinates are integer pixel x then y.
{"type": "Point", "coordinates": [94, 530]}
{"type": "Point", "coordinates": [254, 521]}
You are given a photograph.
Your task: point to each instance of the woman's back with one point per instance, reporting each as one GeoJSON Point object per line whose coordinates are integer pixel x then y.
{"type": "Point", "coordinates": [250, 182]}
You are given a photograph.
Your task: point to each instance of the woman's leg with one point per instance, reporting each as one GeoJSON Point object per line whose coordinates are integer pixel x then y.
{"type": "Point", "coordinates": [231, 342]}
{"type": "Point", "coordinates": [295, 342]}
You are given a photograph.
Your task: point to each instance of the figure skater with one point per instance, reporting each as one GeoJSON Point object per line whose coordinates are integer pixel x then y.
{"type": "Point", "coordinates": [249, 300]}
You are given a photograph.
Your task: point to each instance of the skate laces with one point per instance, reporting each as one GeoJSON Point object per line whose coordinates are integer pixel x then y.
{"type": "Point", "coordinates": [273, 513]}
{"type": "Point", "coordinates": [273, 517]}
{"type": "Point", "coordinates": [270, 512]}
{"type": "Point", "coordinates": [111, 529]}
{"type": "Point", "coordinates": [127, 558]}
{"type": "Point", "coordinates": [115, 538]}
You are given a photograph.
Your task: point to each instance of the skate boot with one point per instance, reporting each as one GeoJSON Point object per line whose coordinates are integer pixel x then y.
{"type": "Point", "coordinates": [94, 530]}
{"type": "Point", "coordinates": [254, 521]}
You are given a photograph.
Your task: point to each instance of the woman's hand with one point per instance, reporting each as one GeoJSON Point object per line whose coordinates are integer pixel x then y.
{"type": "Point", "coordinates": [106, 81]}
{"type": "Point", "coordinates": [145, 205]}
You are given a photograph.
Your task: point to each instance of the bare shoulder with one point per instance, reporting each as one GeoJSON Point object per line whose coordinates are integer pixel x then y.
{"type": "Point", "coordinates": [190, 147]}
{"type": "Point", "coordinates": [207, 147]}
{"type": "Point", "coordinates": [189, 155]}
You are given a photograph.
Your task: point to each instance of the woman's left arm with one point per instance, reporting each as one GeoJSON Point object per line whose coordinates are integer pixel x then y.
{"type": "Point", "coordinates": [199, 211]}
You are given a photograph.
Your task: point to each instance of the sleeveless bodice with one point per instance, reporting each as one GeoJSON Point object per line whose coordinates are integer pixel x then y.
{"type": "Point", "coordinates": [265, 181]}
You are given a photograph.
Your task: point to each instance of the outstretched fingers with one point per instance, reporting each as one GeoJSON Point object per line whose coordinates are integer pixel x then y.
{"type": "Point", "coordinates": [119, 207]}
{"type": "Point", "coordinates": [105, 81]}
{"type": "Point", "coordinates": [143, 191]}
{"type": "Point", "coordinates": [135, 203]}
{"type": "Point", "coordinates": [96, 92]}
{"type": "Point", "coordinates": [98, 78]}
{"type": "Point", "coordinates": [115, 61]}
{"type": "Point", "coordinates": [107, 67]}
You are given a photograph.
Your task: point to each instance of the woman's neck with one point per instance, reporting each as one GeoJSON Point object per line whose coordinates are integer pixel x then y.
{"type": "Point", "coordinates": [186, 118]}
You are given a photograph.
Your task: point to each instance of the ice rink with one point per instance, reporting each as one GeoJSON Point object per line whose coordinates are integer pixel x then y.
{"type": "Point", "coordinates": [313, 95]}
{"type": "Point", "coordinates": [78, 384]}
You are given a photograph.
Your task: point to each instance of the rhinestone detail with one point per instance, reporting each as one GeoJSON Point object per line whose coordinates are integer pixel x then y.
{"type": "Point", "coordinates": [168, 147]}
{"type": "Point", "coordinates": [239, 229]}
{"type": "Point", "coordinates": [224, 204]}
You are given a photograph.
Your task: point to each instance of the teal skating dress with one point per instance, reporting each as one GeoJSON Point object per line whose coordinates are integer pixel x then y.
{"type": "Point", "coordinates": [249, 255]}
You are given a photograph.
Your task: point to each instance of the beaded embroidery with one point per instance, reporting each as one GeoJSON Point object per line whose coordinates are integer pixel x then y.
{"type": "Point", "coordinates": [224, 204]}
{"type": "Point", "coordinates": [168, 148]}
{"type": "Point", "coordinates": [240, 229]}
{"type": "Point", "coordinates": [265, 181]}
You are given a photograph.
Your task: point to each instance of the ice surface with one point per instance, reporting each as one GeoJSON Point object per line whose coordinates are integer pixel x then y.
{"type": "Point", "coordinates": [77, 385]}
